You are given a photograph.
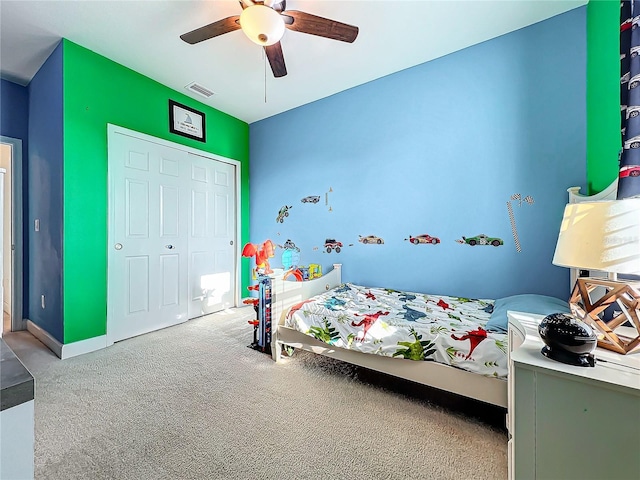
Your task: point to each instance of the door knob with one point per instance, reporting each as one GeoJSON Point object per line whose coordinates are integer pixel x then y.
{"type": "Point", "coordinates": [118, 246]}
{"type": "Point", "coordinates": [231, 242]}
{"type": "Point", "coordinates": [170, 247]}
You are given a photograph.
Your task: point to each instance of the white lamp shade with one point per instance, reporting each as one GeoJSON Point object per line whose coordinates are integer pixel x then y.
{"type": "Point", "coordinates": [263, 25]}
{"type": "Point", "coordinates": [600, 236]}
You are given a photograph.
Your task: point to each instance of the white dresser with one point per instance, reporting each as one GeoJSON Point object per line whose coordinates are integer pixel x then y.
{"type": "Point", "coordinates": [569, 422]}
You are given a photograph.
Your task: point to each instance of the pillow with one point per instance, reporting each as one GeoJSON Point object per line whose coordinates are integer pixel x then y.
{"type": "Point", "coordinates": [529, 303]}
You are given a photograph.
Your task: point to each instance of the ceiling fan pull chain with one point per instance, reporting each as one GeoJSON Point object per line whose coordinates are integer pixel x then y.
{"type": "Point", "coordinates": [264, 56]}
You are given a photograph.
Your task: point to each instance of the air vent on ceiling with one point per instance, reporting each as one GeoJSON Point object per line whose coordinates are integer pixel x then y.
{"type": "Point", "coordinates": [199, 89]}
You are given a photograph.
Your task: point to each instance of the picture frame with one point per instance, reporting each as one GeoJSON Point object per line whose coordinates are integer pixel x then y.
{"type": "Point", "coordinates": [186, 121]}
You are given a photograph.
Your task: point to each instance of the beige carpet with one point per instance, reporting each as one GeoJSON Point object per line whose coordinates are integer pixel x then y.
{"type": "Point", "coordinates": [193, 402]}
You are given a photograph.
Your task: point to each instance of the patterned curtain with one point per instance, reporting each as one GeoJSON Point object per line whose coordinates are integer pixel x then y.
{"type": "Point", "coordinates": [629, 176]}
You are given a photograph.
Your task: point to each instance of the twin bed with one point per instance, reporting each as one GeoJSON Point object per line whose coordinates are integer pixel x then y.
{"type": "Point", "coordinates": [386, 331]}
{"type": "Point", "coordinates": [448, 343]}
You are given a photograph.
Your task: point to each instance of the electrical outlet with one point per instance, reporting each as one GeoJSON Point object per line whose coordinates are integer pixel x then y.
{"type": "Point", "coordinates": [37, 227]}
{"type": "Point", "coordinates": [42, 301]}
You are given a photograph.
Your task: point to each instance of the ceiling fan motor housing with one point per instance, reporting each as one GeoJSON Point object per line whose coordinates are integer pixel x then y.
{"type": "Point", "coordinates": [263, 25]}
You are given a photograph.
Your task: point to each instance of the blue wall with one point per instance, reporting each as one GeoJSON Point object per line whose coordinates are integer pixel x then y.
{"type": "Point", "coordinates": [14, 122]}
{"type": "Point", "coordinates": [440, 149]}
{"type": "Point", "coordinates": [14, 119]}
{"type": "Point", "coordinates": [45, 195]}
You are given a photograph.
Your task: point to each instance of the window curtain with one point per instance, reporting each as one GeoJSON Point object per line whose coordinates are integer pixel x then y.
{"type": "Point", "coordinates": [629, 175]}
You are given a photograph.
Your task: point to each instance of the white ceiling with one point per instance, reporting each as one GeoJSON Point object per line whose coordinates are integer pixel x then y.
{"type": "Point", "coordinates": [144, 36]}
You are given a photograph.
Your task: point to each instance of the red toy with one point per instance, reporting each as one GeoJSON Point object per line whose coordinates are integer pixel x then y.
{"type": "Point", "coordinates": [262, 253]}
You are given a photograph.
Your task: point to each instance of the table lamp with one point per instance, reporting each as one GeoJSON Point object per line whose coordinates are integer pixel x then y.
{"type": "Point", "coordinates": [604, 236]}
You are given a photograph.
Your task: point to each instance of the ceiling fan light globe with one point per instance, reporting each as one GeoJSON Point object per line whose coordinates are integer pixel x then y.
{"type": "Point", "coordinates": [263, 25]}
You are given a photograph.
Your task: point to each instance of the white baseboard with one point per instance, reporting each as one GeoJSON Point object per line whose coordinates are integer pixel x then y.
{"type": "Point", "coordinates": [45, 337]}
{"type": "Point", "coordinates": [84, 346]}
{"type": "Point", "coordinates": [70, 349]}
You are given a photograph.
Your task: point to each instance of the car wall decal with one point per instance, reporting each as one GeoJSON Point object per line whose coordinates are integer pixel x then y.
{"type": "Point", "coordinates": [424, 239]}
{"type": "Point", "coordinates": [481, 239]}
{"type": "Point", "coordinates": [311, 199]}
{"type": "Point", "coordinates": [289, 245]}
{"type": "Point", "coordinates": [370, 239]}
{"type": "Point", "coordinates": [284, 212]}
{"type": "Point", "coordinates": [290, 255]}
{"type": "Point", "coordinates": [516, 197]}
{"type": "Point", "coordinates": [331, 244]}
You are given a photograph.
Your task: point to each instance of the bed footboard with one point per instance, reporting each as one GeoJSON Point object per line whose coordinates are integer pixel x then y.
{"type": "Point", "coordinates": [287, 294]}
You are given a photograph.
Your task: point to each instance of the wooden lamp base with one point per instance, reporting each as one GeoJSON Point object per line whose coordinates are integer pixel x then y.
{"type": "Point", "coordinates": [627, 297]}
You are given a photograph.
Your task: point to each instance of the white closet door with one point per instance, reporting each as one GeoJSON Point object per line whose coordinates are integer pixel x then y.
{"type": "Point", "coordinates": [148, 237]}
{"type": "Point", "coordinates": [212, 233]}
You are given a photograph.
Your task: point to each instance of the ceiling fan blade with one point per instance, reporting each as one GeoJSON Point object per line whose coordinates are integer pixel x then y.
{"type": "Point", "coordinates": [276, 59]}
{"type": "Point", "coordinates": [320, 26]}
{"type": "Point", "coordinates": [214, 29]}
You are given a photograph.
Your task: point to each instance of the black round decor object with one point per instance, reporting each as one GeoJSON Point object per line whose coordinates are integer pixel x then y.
{"type": "Point", "coordinates": [568, 340]}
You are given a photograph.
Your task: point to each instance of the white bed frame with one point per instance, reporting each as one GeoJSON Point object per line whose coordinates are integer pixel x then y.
{"type": "Point", "coordinates": [608, 193]}
{"type": "Point", "coordinates": [444, 377]}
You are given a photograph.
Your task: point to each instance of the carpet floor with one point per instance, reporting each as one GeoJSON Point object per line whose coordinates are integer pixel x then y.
{"type": "Point", "coordinates": [193, 402]}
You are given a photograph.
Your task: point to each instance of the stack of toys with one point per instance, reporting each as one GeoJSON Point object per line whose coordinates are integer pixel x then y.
{"type": "Point", "coordinates": [262, 304]}
{"type": "Point", "coordinates": [301, 273]}
{"type": "Point", "coordinates": [262, 323]}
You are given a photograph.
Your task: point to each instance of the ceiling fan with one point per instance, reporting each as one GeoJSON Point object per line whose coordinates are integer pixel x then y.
{"type": "Point", "coordinates": [264, 22]}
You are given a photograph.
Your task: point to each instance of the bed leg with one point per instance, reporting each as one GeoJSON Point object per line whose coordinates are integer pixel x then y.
{"type": "Point", "coordinates": [276, 351]}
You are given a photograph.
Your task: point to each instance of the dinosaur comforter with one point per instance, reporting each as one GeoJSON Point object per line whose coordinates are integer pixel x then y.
{"type": "Point", "coordinates": [414, 326]}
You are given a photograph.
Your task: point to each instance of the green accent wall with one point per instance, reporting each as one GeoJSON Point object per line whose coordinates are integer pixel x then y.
{"type": "Point", "coordinates": [98, 91]}
{"type": "Point", "coordinates": [603, 93]}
